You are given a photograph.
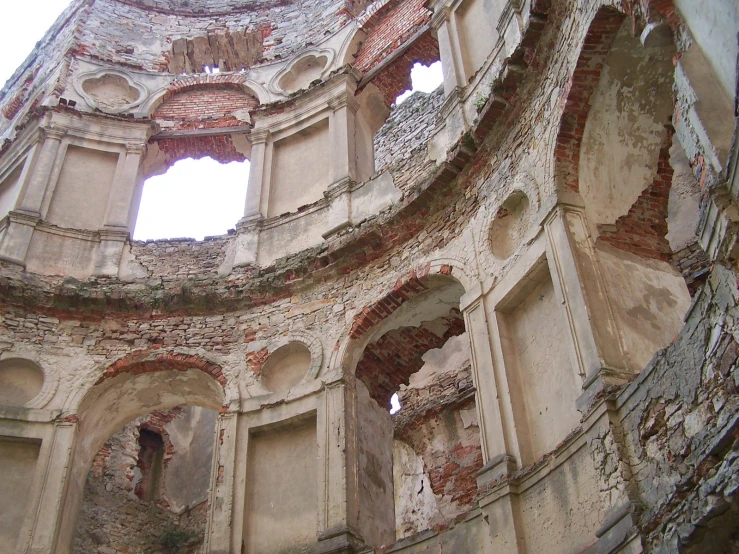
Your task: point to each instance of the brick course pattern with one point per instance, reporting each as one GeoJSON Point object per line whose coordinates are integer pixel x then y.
{"type": "Point", "coordinates": [395, 78]}
{"type": "Point", "coordinates": [389, 362]}
{"type": "Point", "coordinates": [388, 29]}
{"type": "Point", "coordinates": [147, 361]}
{"type": "Point", "coordinates": [219, 147]}
{"type": "Point", "coordinates": [207, 108]}
{"type": "Point", "coordinates": [431, 411]}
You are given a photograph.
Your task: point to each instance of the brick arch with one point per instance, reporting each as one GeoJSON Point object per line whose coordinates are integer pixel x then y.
{"type": "Point", "coordinates": [584, 82]}
{"type": "Point", "coordinates": [384, 363]}
{"type": "Point", "coordinates": [203, 103]}
{"type": "Point", "coordinates": [404, 289]}
{"type": "Point", "coordinates": [147, 361]}
{"type": "Point", "coordinates": [231, 81]}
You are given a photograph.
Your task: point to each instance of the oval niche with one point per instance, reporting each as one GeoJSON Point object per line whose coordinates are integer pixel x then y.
{"type": "Point", "coordinates": [509, 225]}
{"type": "Point", "coordinates": [286, 367]}
{"type": "Point", "coordinates": [20, 381]}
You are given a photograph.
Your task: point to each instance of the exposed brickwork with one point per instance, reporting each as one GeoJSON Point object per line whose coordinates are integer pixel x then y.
{"type": "Point", "coordinates": [395, 78]}
{"type": "Point", "coordinates": [403, 290]}
{"type": "Point", "coordinates": [388, 29]}
{"type": "Point", "coordinates": [430, 413]}
{"type": "Point", "coordinates": [119, 512]}
{"type": "Point", "coordinates": [13, 106]}
{"type": "Point", "coordinates": [389, 362]}
{"type": "Point", "coordinates": [197, 82]}
{"type": "Point", "coordinates": [150, 361]}
{"type": "Point", "coordinates": [643, 229]}
{"type": "Point", "coordinates": [584, 81]}
{"type": "Point", "coordinates": [256, 360]}
{"type": "Point", "coordinates": [457, 478]}
{"type": "Point", "coordinates": [218, 147]}
{"type": "Point", "coordinates": [206, 108]}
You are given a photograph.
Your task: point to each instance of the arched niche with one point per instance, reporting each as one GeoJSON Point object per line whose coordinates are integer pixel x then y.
{"type": "Point", "coordinates": [510, 223]}
{"type": "Point", "coordinates": [21, 381]}
{"type": "Point", "coordinates": [122, 396]}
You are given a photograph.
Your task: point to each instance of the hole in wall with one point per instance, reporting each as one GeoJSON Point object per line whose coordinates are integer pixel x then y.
{"type": "Point", "coordinates": [425, 78]}
{"type": "Point", "coordinates": [394, 404]}
{"type": "Point", "coordinates": [194, 198]}
{"type": "Point", "coordinates": [148, 484]}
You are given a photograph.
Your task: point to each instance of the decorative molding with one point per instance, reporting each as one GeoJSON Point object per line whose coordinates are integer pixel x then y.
{"type": "Point", "coordinates": [81, 80]}
{"type": "Point", "coordinates": [316, 53]}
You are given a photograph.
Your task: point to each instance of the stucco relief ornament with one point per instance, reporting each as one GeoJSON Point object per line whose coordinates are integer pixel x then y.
{"type": "Point", "coordinates": [111, 91]}
{"type": "Point", "coordinates": [312, 64]}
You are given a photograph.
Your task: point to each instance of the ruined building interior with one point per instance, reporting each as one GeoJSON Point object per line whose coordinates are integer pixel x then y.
{"type": "Point", "coordinates": [539, 259]}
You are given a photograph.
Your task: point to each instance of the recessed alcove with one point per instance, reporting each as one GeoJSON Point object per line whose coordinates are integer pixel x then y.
{"type": "Point", "coordinates": [510, 225]}
{"type": "Point", "coordinates": [286, 367]}
{"type": "Point", "coordinates": [20, 381]}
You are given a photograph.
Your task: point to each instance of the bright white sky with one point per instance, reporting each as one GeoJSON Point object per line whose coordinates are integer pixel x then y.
{"type": "Point", "coordinates": [195, 198]}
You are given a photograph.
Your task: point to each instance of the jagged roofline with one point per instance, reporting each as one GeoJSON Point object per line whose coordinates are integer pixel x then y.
{"type": "Point", "coordinates": [48, 38]}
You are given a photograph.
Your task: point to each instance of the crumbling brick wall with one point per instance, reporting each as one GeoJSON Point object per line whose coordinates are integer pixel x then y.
{"type": "Point", "coordinates": [438, 421]}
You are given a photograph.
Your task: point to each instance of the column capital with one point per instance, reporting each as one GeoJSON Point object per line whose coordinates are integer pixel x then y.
{"type": "Point", "coordinates": [54, 132]}
{"type": "Point", "coordinates": [441, 15]}
{"type": "Point", "coordinates": [135, 147]}
{"type": "Point", "coordinates": [259, 136]}
{"type": "Point", "coordinates": [343, 99]}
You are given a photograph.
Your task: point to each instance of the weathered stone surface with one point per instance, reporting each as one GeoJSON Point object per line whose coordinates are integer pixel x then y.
{"type": "Point", "coordinates": [487, 278]}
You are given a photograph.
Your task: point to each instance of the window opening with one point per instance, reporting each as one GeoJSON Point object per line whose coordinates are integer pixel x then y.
{"type": "Point", "coordinates": [394, 404]}
{"type": "Point", "coordinates": [194, 198]}
{"type": "Point", "coordinates": [424, 78]}
{"type": "Point", "coordinates": [151, 454]}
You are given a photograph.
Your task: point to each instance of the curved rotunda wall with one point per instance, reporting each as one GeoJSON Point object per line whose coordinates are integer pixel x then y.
{"type": "Point", "coordinates": [628, 457]}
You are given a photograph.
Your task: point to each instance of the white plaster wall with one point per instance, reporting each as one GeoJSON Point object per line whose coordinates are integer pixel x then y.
{"type": "Point", "coordinates": [625, 127]}
{"type": "Point", "coordinates": [9, 190]}
{"type": "Point", "coordinates": [649, 299]}
{"type": "Point", "coordinates": [54, 254]}
{"type": "Point", "coordinates": [188, 474]}
{"type": "Point", "coordinates": [375, 458]}
{"type": "Point", "coordinates": [453, 355]}
{"type": "Point", "coordinates": [560, 512]}
{"type": "Point", "coordinates": [286, 367]}
{"type": "Point", "coordinates": [291, 236]}
{"type": "Point", "coordinates": [300, 169]}
{"type": "Point", "coordinates": [81, 194]}
{"type": "Point", "coordinates": [683, 208]}
{"type": "Point", "coordinates": [714, 26]}
{"type": "Point", "coordinates": [282, 511]}
{"type": "Point", "coordinates": [537, 338]}
{"type": "Point", "coordinates": [20, 382]}
{"type": "Point", "coordinates": [19, 464]}
{"type": "Point", "coordinates": [415, 503]}
{"type": "Point", "coordinates": [476, 21]}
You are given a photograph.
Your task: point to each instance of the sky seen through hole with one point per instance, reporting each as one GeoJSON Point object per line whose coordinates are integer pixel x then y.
{"type": "Point", "coordinates": [194, 198]}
